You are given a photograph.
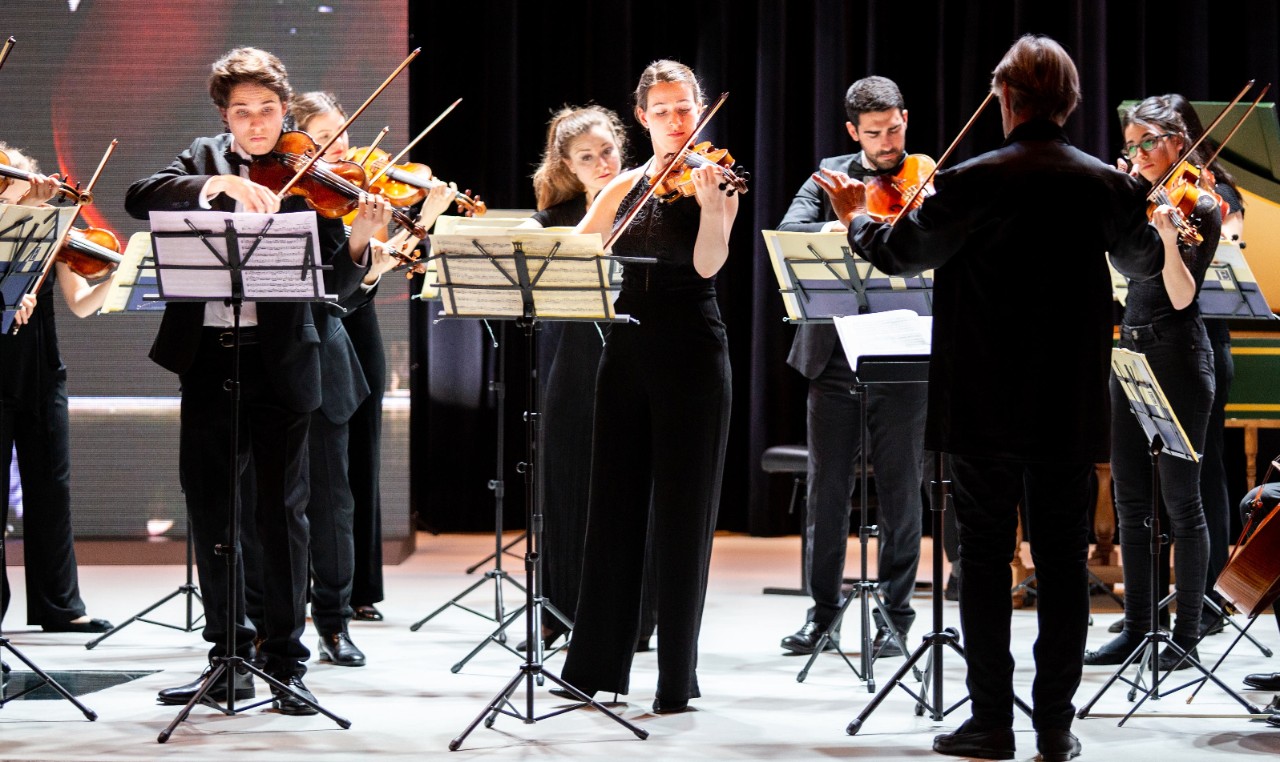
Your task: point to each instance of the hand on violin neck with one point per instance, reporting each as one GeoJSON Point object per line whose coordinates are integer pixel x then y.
{"type": "Point", "coordinates": [848, 196]}
{"type": "Point", "coordinates": [373, 213]}
{"type": "Point", "coordinates": [253, 197]}
{"type": "Point", "coordinates": [437, 203]}
{"type": "Point", "coordinates": [41, 188]}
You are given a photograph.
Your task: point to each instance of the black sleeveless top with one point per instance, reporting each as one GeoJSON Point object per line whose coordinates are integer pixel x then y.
{"type": "Point", "coordinates": [668, 232]}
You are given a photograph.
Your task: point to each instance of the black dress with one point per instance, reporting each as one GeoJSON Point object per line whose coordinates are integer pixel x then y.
{"type": "Point", "coordinates": [661, 425]}
{"type": "Point", "coordinates": [33, 417]}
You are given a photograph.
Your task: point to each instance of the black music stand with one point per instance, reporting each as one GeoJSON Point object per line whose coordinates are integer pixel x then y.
{"type": "Point", "coordinates": [497, 485]}
{"type": "Point", "coordinates": [135, 290]}
{"type": "Point", "coordinates": [212, 256]}
{"type": "Point", "coordinates": [28, 237]}
{"type": "Point", "coordinates": [1165, 435]}
{"type": "Point", "coordinates": [821, 280]}
{"type": "Point", "coordinates": [527, 276]}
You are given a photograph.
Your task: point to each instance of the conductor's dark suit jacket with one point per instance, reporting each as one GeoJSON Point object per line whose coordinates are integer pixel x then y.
{"type": "Point", "coordinates": [296, 339]}
{"type": "Point", "coordinates": [1022, 327]}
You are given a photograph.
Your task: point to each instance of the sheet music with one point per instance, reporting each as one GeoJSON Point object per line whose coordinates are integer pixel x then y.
{"type": "Point", "coordinates": [28, 236]}
{"type": "Point", "coordinates": [274, 270]}
{"type": "Point", "coordinates": [820, 277]}
{"type": "Point", "coordinates": [134, 288]}
{"type": "Point", "coordinates": [1149, 403]}
{"type": "Point", "coordinates": [896, 332]}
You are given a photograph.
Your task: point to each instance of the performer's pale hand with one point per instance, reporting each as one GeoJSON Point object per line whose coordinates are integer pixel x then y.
{"type": "Point", "coordinates": [25, 307]}
{"type": "Point", "coordinates": [254, 198]}
{"type": "Point", "coordinates": [41, 189]}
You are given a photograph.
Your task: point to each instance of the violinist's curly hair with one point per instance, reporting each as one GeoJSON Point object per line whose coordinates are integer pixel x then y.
{"type": "Point", "coordinates": [306, 106]}
{"type": "Point", "coordinates": [18, 159]}
{"type": "Point", "coordinates": [251, 66]}
{"type": "Point", "coordinates": [553, 181]}
{"type": "Point", "coordinates": [1042, 79]}
{"type": "Point", "coordinates": [871, 94]}
{"type": "Point", "coordinates": [667, 70]}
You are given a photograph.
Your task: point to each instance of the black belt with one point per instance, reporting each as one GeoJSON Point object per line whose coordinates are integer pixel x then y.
{"type": "Point", "coordinates": [225, 336]}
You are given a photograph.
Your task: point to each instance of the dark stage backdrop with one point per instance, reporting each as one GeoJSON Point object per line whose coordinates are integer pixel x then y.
{"type": "Point", "coordinates": [86, 71]}
{"type": "Point", "coordinates": [786, 66]}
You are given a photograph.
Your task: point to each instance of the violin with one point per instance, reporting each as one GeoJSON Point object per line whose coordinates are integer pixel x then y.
{"type": "Point", "coordinates": [92, 253]}
{"type": "Point", "coordinates": [679, 182]}
{"type": "Point", "coordinates": [407, 184]}
{"type": "Point", "coordinates": [888, 194]}
{"type": "Point", "coordinates": [1182, 192]}
{"type": "Point", "coordinates": [332, 189]}
{"type": "Point", "coordinates": [66, 191]}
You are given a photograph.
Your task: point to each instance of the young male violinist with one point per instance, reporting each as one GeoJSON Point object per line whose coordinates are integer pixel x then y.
{"type": "Point", "coordinates": [895, 412]}
{"type": "Point", "coordinates": [280, 376]}
{"type": "Point", "coordinates": [1018, 390]}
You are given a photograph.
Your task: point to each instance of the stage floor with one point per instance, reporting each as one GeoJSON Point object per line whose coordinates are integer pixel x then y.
{"type": "Point", "coordinates": [407, 702]}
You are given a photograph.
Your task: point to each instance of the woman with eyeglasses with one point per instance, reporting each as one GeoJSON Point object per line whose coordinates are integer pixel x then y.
{"type": "Point", "coordinates": [1162, 321]}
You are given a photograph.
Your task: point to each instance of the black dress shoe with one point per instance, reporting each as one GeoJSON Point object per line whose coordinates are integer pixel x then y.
{"type": "Point", "coordinates": [1114, 652]}
{"type": "Point", "coordinates": [1263, 681]}
{"type": "Point", "coordinates": [1274, 720]}
{"type": "Point", "coordinates": [367, 613]}
{"type": "Point", "coordinates": [1057, 745]}
{"type": "Point", "coordinates": [671, 707]}
{"type": "Point", "coordinates": [217, 692]}
{"type": "Point", "coordinates": [93, 625]}
{"type": "Point", "coordinates": [287, 703]}
{"type": "Point", "coordinates": [548, 638]}
{"type": "Point", "coordinates": [966, 741]}
{"type": "Point", "coordinates": [884, 645]}
{"type": "Point", "coordinates": [338, 650]}
{"type": "Point", "coordinates": [565, 694]}
{"type": "Point", "coordinates": [805, 640]}
{"type": "Point", "coordinates": [1170, 660]}
{"type": "Point", "coordinates": [1212, 625]}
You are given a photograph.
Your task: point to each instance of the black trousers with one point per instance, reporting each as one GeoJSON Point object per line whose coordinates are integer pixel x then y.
{"type": "Point", "coordinates": [662, 420]}
{"type": "Point", "coordinates": [1214, 495]}
{"type": "Point", "coordinates": [331, 513]}
{"type": "Point", "coordinates": [1179, 355]}
{"type": "Point", "coordinates": [571, 351]}
{"type": "Point", "coordinates": [274, 438]}
{"type": "Point", "coordinates": [987, 492]}
{"type": "Point", "coordinates": [365, 457]}
{"type": "Point", "coordinates": [895, 427]}
{"type": "Point", "coordinates": [41, 433]}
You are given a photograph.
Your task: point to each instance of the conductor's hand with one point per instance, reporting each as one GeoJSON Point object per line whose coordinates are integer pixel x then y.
{"type": "Point", "coordinates": [255, 198]}
{"type": "Point", "coordinates": [25, 307]}
{"type": "Point", "coordinates": [848, 196]}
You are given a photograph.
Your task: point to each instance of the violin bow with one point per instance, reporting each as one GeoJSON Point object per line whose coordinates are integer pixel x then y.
{"type": "Point", "coordinates": [62, 239]}
{"type": "Point", "coordinates": [354, 115]}
{"type": "Point", "coordinates": [1239, 123]}
{"type": "Point", "coordinates": [625, 222]}
{"type": "Point", "coordinates": [374, 145]}
{"type": "Point", "coordinates": [945, 155]}
{"type": "Point", "coordinates": [396, 159]}
{"type": "Point", "coordinates": [1190, 151]}
{"type": "Point", "coordinates": [8, 46]}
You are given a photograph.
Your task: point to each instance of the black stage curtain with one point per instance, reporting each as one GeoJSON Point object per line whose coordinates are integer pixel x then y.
{"type": "Point", "coordinates": [786, 65]}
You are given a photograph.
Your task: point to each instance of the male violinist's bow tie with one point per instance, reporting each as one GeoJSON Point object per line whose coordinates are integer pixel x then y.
{"type": "Point", "coordinates": [236, 160]}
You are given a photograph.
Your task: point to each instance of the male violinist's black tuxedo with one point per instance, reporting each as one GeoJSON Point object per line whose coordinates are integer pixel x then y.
{"type": "Point", "coordinates": [281, 385]}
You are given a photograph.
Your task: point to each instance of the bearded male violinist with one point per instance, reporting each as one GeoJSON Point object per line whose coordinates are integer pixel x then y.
{"type": "Point", "coordinates": [895, 412]}
{"type": "Point", "coordinates": [1018, 377]}
{"type": "Point", "coordinates": [280, 376]}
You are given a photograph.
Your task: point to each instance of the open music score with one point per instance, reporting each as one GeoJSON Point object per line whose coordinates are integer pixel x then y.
{"type": "Point", "coordinates": [1230, 287]}
{"type": "Point", "coordinates": [818, 273]}
{"type": "Point", "coordinates": [487, 274]}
